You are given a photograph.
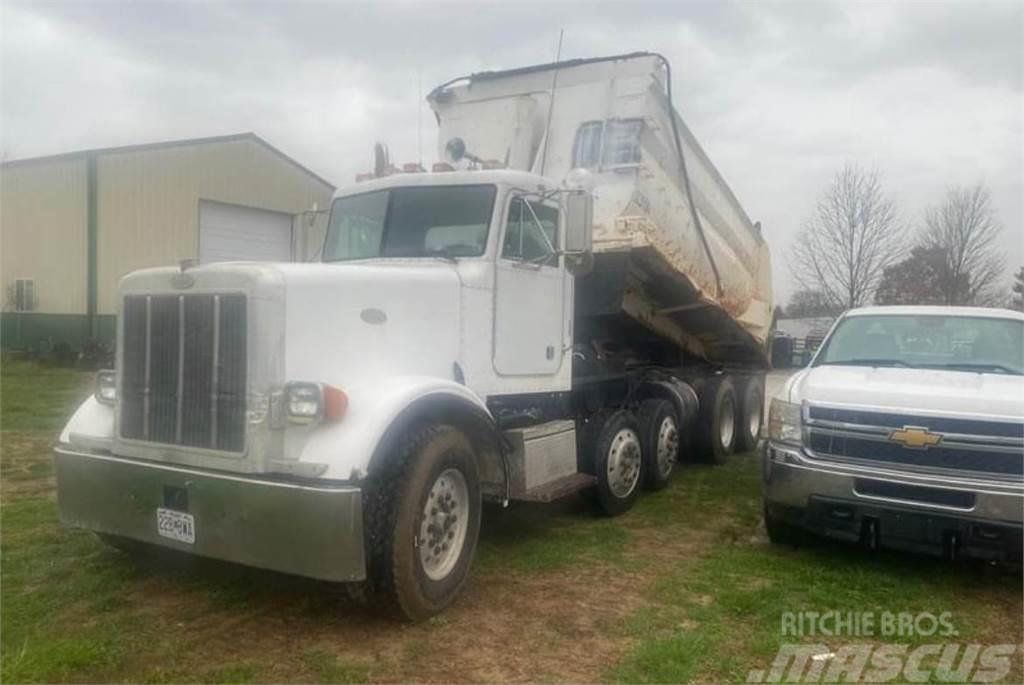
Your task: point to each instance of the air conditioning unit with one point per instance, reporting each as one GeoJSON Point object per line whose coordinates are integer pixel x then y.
{"type": "Point", "coordinates": [24, 295]}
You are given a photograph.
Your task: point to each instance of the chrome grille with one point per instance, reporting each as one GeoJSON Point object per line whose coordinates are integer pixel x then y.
{"type": "Point", "coordinates": [184, 370]}
{"type": "Point", "coordinates": [966, 445]}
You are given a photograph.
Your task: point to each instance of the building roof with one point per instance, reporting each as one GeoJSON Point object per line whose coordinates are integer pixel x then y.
{"type": "Point", "coordinates": [804, 327]}
{"type": "Point", "coordinates": [167, 144]}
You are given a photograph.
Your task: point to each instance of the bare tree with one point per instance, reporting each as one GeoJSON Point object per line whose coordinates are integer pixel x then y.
{"type": "Point", "coordinates": [965, 229]}
{"type": "Point", "coordinates": [853, 236]}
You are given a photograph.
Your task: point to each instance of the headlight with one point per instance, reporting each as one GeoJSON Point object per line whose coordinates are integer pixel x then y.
{"type": "Point", "coordinates": [106, 387]}
{"type": "Point", "coordinates": [784, 422]}
{"type": "Point", "coordinates": [311, 402]}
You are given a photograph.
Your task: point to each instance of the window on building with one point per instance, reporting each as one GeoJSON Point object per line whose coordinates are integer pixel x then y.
{"type": "Point", "coordinates": [24, 295]}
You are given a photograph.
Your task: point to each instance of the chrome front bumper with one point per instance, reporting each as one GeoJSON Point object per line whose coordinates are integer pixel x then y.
{"type": "Point", "coordinates": [304, 529]}
{"type": "Point", "coordinates": [918, 510]}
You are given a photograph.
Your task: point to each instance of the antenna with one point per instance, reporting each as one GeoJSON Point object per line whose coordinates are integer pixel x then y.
{"type": "Point", "coordinates": [419, 114]}
{"type": "Point", "coordinates": [551, 101]}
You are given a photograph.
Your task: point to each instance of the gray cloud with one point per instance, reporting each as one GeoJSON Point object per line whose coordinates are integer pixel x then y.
{"type": "Point", "coordinates": [779, 94]}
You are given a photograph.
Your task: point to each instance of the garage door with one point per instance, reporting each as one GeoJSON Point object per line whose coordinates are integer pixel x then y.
{"type": "Point", "coordinates": [231, 233]}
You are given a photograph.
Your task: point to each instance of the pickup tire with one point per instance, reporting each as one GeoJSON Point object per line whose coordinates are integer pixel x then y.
{"type": "Point", "coordinates": [659, 425]}
{"type": "Point", "coordinates": [716, 421]}
{"type": "Point", "coordinates": [614, 450]}
{"type": "Point", "coordinates": [422, 518]}
{"type": "Point", "coordinates": [750, 414]}
{"type": "Point", "coordinates": [781, 532]}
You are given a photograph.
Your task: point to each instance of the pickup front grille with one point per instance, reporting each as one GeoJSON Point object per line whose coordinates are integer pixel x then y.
{"type": "Point", "coordinates": [184, 370]}
{"type": "Point", "coordinates": [965, 446]}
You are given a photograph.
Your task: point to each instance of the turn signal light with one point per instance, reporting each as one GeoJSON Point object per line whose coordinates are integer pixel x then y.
{"type": "Point", "coordinates": [106, 387]}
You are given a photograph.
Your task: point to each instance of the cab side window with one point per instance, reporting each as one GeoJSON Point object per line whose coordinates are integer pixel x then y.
{"type": "Point", "coordinates": [531, 232]}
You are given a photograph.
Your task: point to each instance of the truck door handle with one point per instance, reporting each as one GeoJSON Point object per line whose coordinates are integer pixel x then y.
{"type": "Point", "coordinates": [550, 352]}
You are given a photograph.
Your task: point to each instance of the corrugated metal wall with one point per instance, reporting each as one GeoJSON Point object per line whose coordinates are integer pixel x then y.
{"type": "Point", "coordinates": [43, 232]}
{"type": "Point", "coordinates": [148, 202]}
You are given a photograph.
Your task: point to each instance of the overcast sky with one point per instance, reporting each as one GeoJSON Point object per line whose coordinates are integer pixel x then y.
{"type": "Point", "coordinates": [780, 95]}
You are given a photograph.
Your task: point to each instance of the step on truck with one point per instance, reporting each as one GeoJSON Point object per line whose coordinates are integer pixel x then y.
{"type": "Point", "coordinates": [569, 302]}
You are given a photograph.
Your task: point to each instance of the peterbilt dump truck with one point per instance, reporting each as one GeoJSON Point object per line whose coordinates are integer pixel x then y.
{"type": "Point", "coordinates": [570, 302]}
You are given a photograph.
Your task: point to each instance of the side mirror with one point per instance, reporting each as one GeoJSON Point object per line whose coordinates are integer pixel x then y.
{"type": "Point", "coordinates": [579, 219]}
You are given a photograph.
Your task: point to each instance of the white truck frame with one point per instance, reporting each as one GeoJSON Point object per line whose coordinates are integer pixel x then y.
{"type": "Point", "coordinates": [463, 340]}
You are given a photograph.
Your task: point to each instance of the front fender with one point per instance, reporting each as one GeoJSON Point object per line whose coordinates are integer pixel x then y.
{"type": "Point", "coordinates": [348, 445]}
{"type": "Point", "coordinates": [92, 424]}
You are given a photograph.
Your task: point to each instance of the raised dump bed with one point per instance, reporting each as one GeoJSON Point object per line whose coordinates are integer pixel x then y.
{"type": "Point", "coordinates": [674, 248]}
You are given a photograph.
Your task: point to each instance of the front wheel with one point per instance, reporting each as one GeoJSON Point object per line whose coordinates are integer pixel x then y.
{"type": "Point", "coordinates": [423, 521]}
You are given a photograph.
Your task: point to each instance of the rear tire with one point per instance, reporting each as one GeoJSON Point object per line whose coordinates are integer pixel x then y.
{"type": "Point", "coordinates": [751, 414]}
{"type": "Point", "coordinates": [615, 452]}
{"type": "Point", "coordinates": [660, 435]}
{"type": "Point", "coordinates": [422, 517]}
{"type": "Point", "coordinates": [717, 420]}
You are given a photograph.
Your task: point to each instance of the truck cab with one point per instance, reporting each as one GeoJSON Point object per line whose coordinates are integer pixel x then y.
{"type": "Point", "coordinates": [906, 431]}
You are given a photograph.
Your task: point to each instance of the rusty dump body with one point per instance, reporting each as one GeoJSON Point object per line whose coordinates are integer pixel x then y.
{"type": "Point", "coordinates": [689, 263]}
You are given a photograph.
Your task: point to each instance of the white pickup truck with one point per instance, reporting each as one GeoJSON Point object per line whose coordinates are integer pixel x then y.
{"type": "Point", "coordinates": [907, 431]}
{"type": "Point", "coordinates": [542, 315]}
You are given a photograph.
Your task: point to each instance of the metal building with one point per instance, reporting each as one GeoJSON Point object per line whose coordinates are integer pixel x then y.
{"type": "Point", "coordinates": [72, 225]}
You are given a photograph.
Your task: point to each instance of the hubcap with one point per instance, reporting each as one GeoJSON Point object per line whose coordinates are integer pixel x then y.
{"type": "Point", "coordinates": [727, 423]}
{"type": "Point", "coordinates": [624, 463]}
{"type": "Point", "coordinates": [444, 524]}
{"type": "Point", "coordinates": [668, 446]}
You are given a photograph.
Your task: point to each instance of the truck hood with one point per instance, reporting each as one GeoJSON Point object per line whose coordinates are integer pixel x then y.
{"type": "Point", "coordinates": [349, 323]}
{"type": "Point", "coordinates": [899, 389]}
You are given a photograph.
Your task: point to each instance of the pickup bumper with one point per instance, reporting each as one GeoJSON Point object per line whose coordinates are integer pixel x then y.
{"type": "Point", "coordinates": [305, 529]}
{"type": "Point", "coordinates": [926, 513]}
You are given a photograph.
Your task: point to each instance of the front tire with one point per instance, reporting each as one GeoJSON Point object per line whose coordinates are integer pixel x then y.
{"type": "Point", "coordinates": [423, 522]}
{"type": "Point", "coordinates": [782, 533]}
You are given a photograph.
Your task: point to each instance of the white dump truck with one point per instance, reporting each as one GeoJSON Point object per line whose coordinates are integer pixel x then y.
{"type": "Point", "coordinates": [560, 306]}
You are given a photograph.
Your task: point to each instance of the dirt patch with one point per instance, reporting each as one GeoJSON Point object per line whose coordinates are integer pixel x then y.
{"type": "Point", "coordinates": [26, 463]}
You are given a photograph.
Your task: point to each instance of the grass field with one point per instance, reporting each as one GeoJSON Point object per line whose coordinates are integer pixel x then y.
{"type": "Point", "coordinates": [683, 588]}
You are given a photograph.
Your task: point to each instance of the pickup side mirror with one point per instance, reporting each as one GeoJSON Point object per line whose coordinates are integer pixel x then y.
{"type": "Point", "coordinates": [579, 218]}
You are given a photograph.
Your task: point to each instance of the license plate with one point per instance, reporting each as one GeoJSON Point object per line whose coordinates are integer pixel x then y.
{"type": "Point", "coordinates": [176, 525]}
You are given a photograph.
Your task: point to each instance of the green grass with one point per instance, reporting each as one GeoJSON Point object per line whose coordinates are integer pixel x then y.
{"type": "Point", "coordinates": [34, 397]}
{"type": "Point", "coordinates": [709, 591]}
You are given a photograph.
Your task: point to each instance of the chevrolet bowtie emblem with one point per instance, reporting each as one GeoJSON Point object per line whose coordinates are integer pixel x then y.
{"type": "Point", "coordinates": [916, 437]}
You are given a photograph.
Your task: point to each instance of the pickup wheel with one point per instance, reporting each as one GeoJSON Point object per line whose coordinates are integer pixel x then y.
{"type": "Point", "coordinates": [422, 522]}
{"type": "Point", "coordinates": [781, 532]}
{"type": "Point", "coordinates": [751, 414]}
{"type": "Point", "coordinates": [717, 420]}
{"type": "Point", "coordinates": [616, 449]}
{"type": "Point", "coordinates": [659, 424]}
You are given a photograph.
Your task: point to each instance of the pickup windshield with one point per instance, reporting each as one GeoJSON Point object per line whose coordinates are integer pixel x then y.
{"type": "Point", "coordinates": [971, 344]}
{"type": "Point", "coordinates": [417, 221]}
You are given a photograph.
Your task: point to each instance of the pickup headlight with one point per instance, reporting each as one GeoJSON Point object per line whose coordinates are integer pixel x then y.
{"type": "Point", "coordinates": [784, 422]}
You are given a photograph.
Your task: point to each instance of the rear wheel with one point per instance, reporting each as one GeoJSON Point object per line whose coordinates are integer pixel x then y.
{"type": "Point", "coordinates": [423, 521]}
{"type": "Point", "coordinates": [616, 451]}
{"type": "Point", "coordinates": [660, 425]}
{"type": "Point", "coordinates": [717, 419]}
{"type": "Point", "coordinates": [751, 414]}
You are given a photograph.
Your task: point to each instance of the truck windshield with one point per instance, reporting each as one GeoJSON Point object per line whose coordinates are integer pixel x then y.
{"type": "Point", "coordinates": [957, 343]}
{"type": "Point", "coordinates": [424, 221]}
